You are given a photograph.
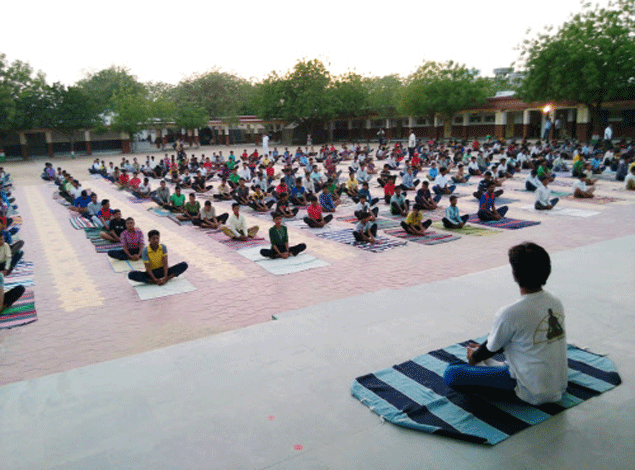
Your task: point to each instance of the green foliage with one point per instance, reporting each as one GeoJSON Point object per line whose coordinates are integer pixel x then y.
{"type": "Point", "coordinates": [442, 88]}
{"type": "Point", "coordinates": [349, 96]}
{"type": "Point", "coordinates": [383, 94]}
{"type": "Point", "coordinates": [220, 94]}
{"type": "Point", "coordinates": [69, 109]}
{"type": "Point", "coordinates": [104, 86]}
{"type": "Point", "coordinates": [131, 112]}
{"type": "Point", "coordinates": [190, 116]}
{"type": "Point", "coordinates": [589, 59]}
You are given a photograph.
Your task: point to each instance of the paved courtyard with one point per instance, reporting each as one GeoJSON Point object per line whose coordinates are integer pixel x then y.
{"type": "Point", "coordinates": [126, 378]}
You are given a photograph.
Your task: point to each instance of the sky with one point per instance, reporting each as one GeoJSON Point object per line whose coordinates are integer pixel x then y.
{"type": "Point", "coordinates": [168, 41]}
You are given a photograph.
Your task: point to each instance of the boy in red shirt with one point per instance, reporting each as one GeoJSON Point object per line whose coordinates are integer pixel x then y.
{"type": "Point", "coordinates": [389, 189]}
{"type": "Point", "coordinates": [314, 211]}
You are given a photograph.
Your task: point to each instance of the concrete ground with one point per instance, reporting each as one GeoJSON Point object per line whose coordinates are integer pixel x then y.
{"type": "Point", "coordinates": [207, 380]}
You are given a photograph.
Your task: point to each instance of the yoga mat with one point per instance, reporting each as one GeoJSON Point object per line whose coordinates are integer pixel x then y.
{"type": "Point", "coordinates": [505, 200]}
{"type": "Point", "coordinates": [139, 200]}
{"type": "Point", "coordinates": [80, 223]}
{"type": "Point", "coordinates": [120, 266]}
{"type": "Point", "coordinates": [381, 223]}
{"type": "Point", "coordinates": [107, 248]}
{"type": "Point", "coordinates": [20, 313]}
{"type": "Point", "coordinates": [237, 244]}
{"type": "Point", "coordinates": [279, 267]}
{"type": "Point", "coordinates": [594, 200]}
{"type": "Point", "coordinates": [93, 232]}
{"type": "Point", "coordinates": [178, 285]}
{"type": "Point", "coordinates": [506, 223]}
{"type": "Point", "coordinates": [467, 230]}
{"type": "Point", "coordinates": [160, 212]}
{"type": "Point", "coordinates": [430, 238]}
{"type": "Point", "coordinates": [414, 395]}
{"type": "Point", "coordinates": [553, 193]}
{"type": "Point", "coordinates": [556, 211]}
{"type": "Point", "coordinates": [346, 237]}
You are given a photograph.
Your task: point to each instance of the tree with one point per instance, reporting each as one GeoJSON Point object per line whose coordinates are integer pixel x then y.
{"type": "Point", "coordinates": [443, 89]}
{"type": "Point", "coordinates": [589, 59]}
{"type": "Point", "coordinates": [304, 95]}
{"type": "Point", "coordinates": [190, 116]}
{"type": "Point", "coordinates": [349, 96]}
{"type": "Point", "coordinates": [384, 94]}
{"type": "Point", "coordinates": [69, 110]}
{"type": "Point", "coordinates": [131, 112]}
{"type": "Point", "coordinates": [105, 85]}
{"type": "Point", "coordinates": [220, 94]}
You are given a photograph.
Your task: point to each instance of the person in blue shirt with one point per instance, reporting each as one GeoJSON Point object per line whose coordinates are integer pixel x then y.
{"type": "Point", "coordinates": [80, 204]}
{"type": "Point", "coordinates": [326, 200]}
{"type": "Point", "coordinates": [487, 207]}
{"type": "Point", "coordinates": [365, 191]}
{"type": "Point", "coordinates": [409, 182]}
{"type": "Point", "coordinates": [399, 205]}
{"type": "Point", "coordinates": [433, 172]}
{"type": "Point", "coordinates": [298, 194]}
{"type": "Point", "coordinates": [365, 230]}
{"type": "Point", "coordinates": [453, 218]}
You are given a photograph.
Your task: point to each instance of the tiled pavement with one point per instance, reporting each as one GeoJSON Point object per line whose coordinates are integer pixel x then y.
{"type": "Point", "coordinates": [88, 313]}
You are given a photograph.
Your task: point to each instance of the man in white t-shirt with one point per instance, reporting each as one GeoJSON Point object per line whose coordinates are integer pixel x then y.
{"type": "Point", "coordinates": [580, 188]}
{"type": "Point", "coordinates": [543, 195]}
{"type": "Point", "coordinates": [629, 181]}
{"type": "Point", "coordinates": [412, 143]}
{"type": "Point", "coordinates": [530, 333]}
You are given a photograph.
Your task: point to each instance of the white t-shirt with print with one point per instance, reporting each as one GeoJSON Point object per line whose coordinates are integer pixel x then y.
{"type": "Point", "coordinates": [531, 332]}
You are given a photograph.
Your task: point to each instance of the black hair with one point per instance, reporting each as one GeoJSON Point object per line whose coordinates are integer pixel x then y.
{"type": "Point", "coordinates": [104, 202]}
{"type": "Point", "coordinates": [276, 214]}
{"type": "Point", "coordinates": [531, 265]}
{"type": "Point", "coordinates": [152, 233]}
{"type": "Point", "coordinates": [235, 204]}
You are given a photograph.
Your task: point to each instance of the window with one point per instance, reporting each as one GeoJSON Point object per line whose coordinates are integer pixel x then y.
{"type": "Point", "coordinates": [378, 123]}
{"type": "Point", "coordinates": [475, 118]}
{"type": "Point", "coordinates": [341, 125]}
{"type": "Point", "coordinates": [489, 118]}
{"type": "Point", "coordinates": [357, 124]}
{"type": "Point", "coordinates": [405, 122]}
{"type": "Point", "coordinates": [421, 121]}
{"type": "Point", "coordinates": [458, 120]}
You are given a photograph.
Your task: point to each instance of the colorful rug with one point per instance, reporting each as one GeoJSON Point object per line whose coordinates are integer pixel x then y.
{"type": "Point", "coordinates": [414, 395]}
{"type": "Point", "coordinates": [594, 200]}
{"type": "Point", "coordinates": [467, 230]}
{"type": "Point", "coordinates": [20, 313]}
{"type": "Point", "coordinates": [346, 237]}
{"type": "Point", "coordinates": [563, 183]}
{"type": "Point", "coordinates": [80, 223]}
{"type": "Point", "coordinates": [430, 238]}
{"type": "Point", "coordinates": [279, 267]}
{"type": "Point", "coordinates": [506, 223]}
{"type": "Point", "coordinates": [505, 200]}
{"type": "Point", "coordinates": [237, 244]}
{"type": "Point", "coordinates": [107, 248]}
{"type": "Point", "coordinates": [381, 223]}
{"type": "Point", "coordinates": [553, 193]}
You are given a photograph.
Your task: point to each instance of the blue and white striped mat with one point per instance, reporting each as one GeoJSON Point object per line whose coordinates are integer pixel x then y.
{"type": "Point", "coordinates": [414, 395]}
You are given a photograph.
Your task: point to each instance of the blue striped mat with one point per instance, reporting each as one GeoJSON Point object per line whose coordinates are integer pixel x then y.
{"type": "Point", "coordinates": [414, 395]}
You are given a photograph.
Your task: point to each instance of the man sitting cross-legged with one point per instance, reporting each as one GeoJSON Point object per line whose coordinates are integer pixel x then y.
{"type": "Point", "coordinates": [365, 230]}
{"type": "Point", "coordinates": [208, 218]}
{"type": "Point", "coordinates": [583, 188]}
{"type": "Point", "coordinates": [453, 218]}
{"type": "Point", "coordinates": [237, 225]}
{"type": "Point", "coordinates": [314, 218]}
{"type": "Point", "coordinates": [413, 223]}
{"type": "Point", "coordinates": [487, 207]}
{"type": "Point", "coordinates": [280, 241]}
{"type": "Point", "coordinates": [155, 258]}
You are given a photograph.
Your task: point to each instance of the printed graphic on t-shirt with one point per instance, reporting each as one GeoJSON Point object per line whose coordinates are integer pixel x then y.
{"type": "Point", "coordinates": [549, 329]}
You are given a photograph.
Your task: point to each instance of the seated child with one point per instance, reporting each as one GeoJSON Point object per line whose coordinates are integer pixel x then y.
{"type": "Point", "coordinates": [155, 259]}
{"type": "Point", "coordinates": [413, 223]}
{"type": "Point", "coordinates": [453, 219]}
{"type": "Point", "coordinates": [399, 205]}
{"type": "Point", "coordinates": [191, 209]}
{"type": "Point", "coordinates": [543, 196]}
{"type": "Point", "coordinates": [487, 207]}
{"type": "Point", "coordinates": [365, 230]}
{"type": "Point", "coordinates": [208, 218]}
{"type": "Point", "coordinates": [279, 238]}
{"type": "Point", "coordinates": [314, 217]}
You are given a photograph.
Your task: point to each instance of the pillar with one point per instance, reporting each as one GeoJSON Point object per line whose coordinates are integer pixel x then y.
{"type": "Point", "coordinates": [583, 124]}
{"type": "Point", "coordinates": [89, 147]}
{"type": "Point", "coordinates": [526, 121]}
{"type": "Point", "coordinates": [349, 129]}
{"type": "Point", "coordinates": [24, 146]}
{"type": "Point", "coordinates": [226, 131]}
{"type": "Point", "coordinates": [126, 146]}
{"type": "Point", "coordinates": [196, 141]}
{"type": "Point", "coordinates": [48, 135]}
{"type": "Point", "coordinates": [500, 120]}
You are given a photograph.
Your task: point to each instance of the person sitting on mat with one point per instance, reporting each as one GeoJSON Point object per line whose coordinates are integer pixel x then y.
{"type": "Point", "coordinates": [191, 209]}
{"type": "Point", "coordinates": [113, 227]}
{"type": "Point", "coordinates": [257, 201]}
{"type": "Point", "coordinates": [529, 332]}
{"type": "Point", "coordinates": [483, 184]}
{"type": "Point", "coordinates": [531, 181]}
{"type": "Point", "coordinates": [351, 185]}
{"type": "Point", "coordinates": [399, 205]}
{"type": "Point", "coordinates": [237, 225]}
{"type": "Point", "coordinates": [241, 193]}
{"type": "Point", "coordinates": [364, 206]}
{"type": "Point", "coordinates": [453, 218]}
{"type": "Point", "coordinates": [441, 184]}
{"type": "Point", "coordinates": [389, 189]}
{"type": "Point", "coordinates": [7, 259]}
{"type": "Point", "coordinates": [487, 207]}
{"type": "Point", "coordinates": [580, 188]}
{"type": "Point", "coordinates": [177, 200]}
{"type": "Point", "coordinates": [224, 191]}
{"type": "Point", "coordinates": [208, 217]}
{"type": "Point", "coordinates": [279, 238]}
{"type": "Point", "coordinates": [162, 195]}
{"type": "Point", "coordinates": [298, 196]}
{"type": "Point", "coordinates": [413, 223]}
{"type": "Point", "coordinates": [629, 180]}
{"type": "Point", "coordinates": [282, 207]}
{"type": "Point", "coordinates": [326, 200]}
{"type": "Point", "coordinates": [143, 190]}
{"type": "Point", "coordinates": [314, 217]}
{"type": "Point", "coordinates": [365, 230]}
{"type": "Point", "coordinates": [364, 190]}
{"type": "Point", "coordinates": [131, 243]}
{"type": "Point", "coordinates": [155, 259]}
{"type": "Point", "coordinates": [543, 196]}
{"type": "Point", "coordinates": [8, 298]}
